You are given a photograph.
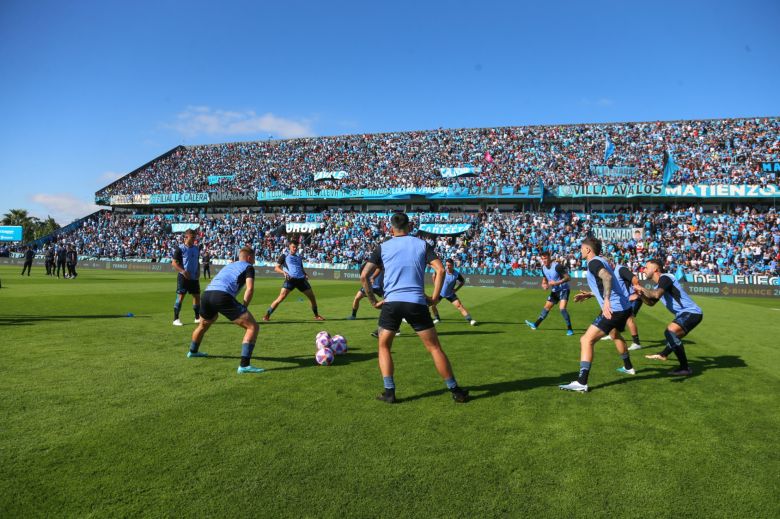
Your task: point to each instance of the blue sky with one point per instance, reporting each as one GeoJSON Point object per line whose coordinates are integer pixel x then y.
{"type": "Point", "coordinates": [90, 90]}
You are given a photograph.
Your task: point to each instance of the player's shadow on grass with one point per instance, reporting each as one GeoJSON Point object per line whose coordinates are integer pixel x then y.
{"type": "Point", "coordinates": [303, 361]}
{"type": "Point", "coordinates": [26, 320]}
{"type": "Point", "coordinates": [498, 388]}
{"type": "Point", "coordinates": [699, 367]}
{"type": "Point", "coordinates": [469, 332]}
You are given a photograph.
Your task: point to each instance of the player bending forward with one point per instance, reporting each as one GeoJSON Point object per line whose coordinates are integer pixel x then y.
{"type": "Point", "coordinates": [453, 281]}
{"type": "Point", "coordinates": [404, 258]}
{"type": "Point", "coordinates": [556, 279]}
{"type": "Point", "coordinates": [220, 298]}
{"type": "Point", "coordinates": [687, 314]}
{"type": "Point", "coordinates": [615, 309]}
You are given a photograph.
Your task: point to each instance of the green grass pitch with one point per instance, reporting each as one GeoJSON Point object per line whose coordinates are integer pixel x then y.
{"type": "Point", "coordinates": [103, 415]}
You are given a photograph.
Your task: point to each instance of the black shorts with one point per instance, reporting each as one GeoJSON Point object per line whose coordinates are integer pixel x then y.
{"type": "Point", "coordinates": [418, 316]}
{"type": "Point", "coordinates": [688, 321]}
{"type": "Point", "coordinates": [618, 321]}
{"type": "Point", "coordinates": [451, 299]}
{"type": "Point", "coordinates": [216, 302]}
{"type": "Point", "coordinates": [561, 295]}
{"type": "Point", "coordinates": [378, 291]}
{"type": "Point", "coordinates": [636, 305]}
{"type": "Point", "coordinates": [301, 284]}
{"type": "Point", "coordinates": [187, 286]}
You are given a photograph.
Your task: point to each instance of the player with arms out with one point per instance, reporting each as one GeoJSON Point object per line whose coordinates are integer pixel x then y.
{"type": "Point", "coordinates": [453, 281]}
{"type": "Point", "coordinates": [556, 279]}
{"type": "Point", "coordinates": [185, 262]}
{"type": "Point", "coordinates": [687, 314]}
{"type": "Point", "coordinates": [220, 298]}
{"type": "Point", "coordinates": [615, 310]}
{"type": "Point", "coordinates": [403, 259]}
{"type": "Point", "coordinates": [291, 267]}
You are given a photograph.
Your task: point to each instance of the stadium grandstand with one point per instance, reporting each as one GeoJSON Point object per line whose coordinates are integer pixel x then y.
{"type": "Point", "coordinates": [702, 195]}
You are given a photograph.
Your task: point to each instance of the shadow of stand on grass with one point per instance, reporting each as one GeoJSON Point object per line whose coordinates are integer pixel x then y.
{"type": "Point", "coordinates": [303, 361]}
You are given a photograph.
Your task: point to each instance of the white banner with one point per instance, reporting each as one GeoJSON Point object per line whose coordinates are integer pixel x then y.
{"type": "Point", "coordinates": [328, 175]}
{"type": "Point", "coordinates": [303, 227]}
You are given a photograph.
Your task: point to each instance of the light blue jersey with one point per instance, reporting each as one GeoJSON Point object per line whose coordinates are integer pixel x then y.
{"type": "Point", "coordinates": [403, 260]}
{"type": "Point", "coordinates": [555, 273]}
{"type": "Point", "coordinates": [618, 296]}
{"type": "Point", "coordinates": [676, 299]}
{"type": "Point", "coordinates": [293, 265]}
{"type": "Point", "coordinates": [232, 278]}
{"type": "Point", "coordinates": [188, 258]}
{"type": "Point", "coordinates": [379, 281]}
{"type": "Point", "coordinates": [448, 289]}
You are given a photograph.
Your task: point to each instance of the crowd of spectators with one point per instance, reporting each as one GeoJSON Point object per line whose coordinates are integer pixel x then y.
{"type": "Point", "coordinates": [743, 241]}
{"type": "Point", "coordinates": [728, 151]}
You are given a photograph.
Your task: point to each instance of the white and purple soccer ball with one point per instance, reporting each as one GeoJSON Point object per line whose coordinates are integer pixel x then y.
{"type": "Point", "coordinates": [338, 344]}
{"type": "Point", "coordinates": [324, 357]}
{"type": "Point", "coordinates": [322, 340]}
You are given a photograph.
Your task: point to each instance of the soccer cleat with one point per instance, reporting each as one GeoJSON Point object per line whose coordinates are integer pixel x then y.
{"type": "Point", "coordinates": [319, 318]}
{"type": "Point", "coordinates": [197, 321]}
{"type": "Point", "coordinates": [635, 347]}
{"type": "Point", "coordinates": [351, 318]}
{"type": "Point", "coordinates": [193, 354]}
{"type": "Point", "coordinates": [436, 321]}
{"type": "Point", "coordinates": [375, 334]}
{"type": "Point", "coordinates": [606, 338]}
{"type": "Point", "coordinates": [575, 386]}
{"type": "Point", "coordinates": [625, 371]}
{"type": "Point", "coordinates": [178, 322]}
{"type": "Point", "coordinates": [388, 396]}
{"type": "Point", "coordinates": [569, 332]}
{"type": "Point", "coordinates": [249, 369]}
{"type": "Point", "coordinates": [655, 357]}
{"type": "Point", "coordinates": [266, 318]}
{"type": "Point", "coordinates": [459, 395]}
{"type": "Point", "coordinates": [531, 325]}
{"type": "Point", "coordinates": [398, 333]}
{"type": "Point", "coordinates": [681, 372]}
{"type": "Point", "coordinates": [473, 322]}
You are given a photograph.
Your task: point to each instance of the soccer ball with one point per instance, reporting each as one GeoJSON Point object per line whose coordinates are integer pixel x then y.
{"type": "Point", "coordinates": [338, 344]}
{"type": "Point", "coordinates": [324, 357]}
{"type": "Point", "coordinates": [323, 340]}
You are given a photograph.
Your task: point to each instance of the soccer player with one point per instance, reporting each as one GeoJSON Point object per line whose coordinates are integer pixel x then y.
{"type": "Point", "coordinates": [29, 255]}
{"type": "Point", "coordinates": [291, 267]}
{"type": "Point", "coordinates": [205, 260]}
{"type": "Point", "coordinates": [61, 257]}
{"type": "Point", "coordinates": [72, 258]}
{"type": "Point", "coordinates": [377, 285]}
{"type": "Point", "coordinates": [631, 282]}
{"type": "Point", "coordinates": [615, 310]}
{"type": "Point", "coordinates": [403, 259]}
{"type": "Point", "coordinates": [556, 279]}
{"type": "Point", "coordinates": [453, 281]}
{"type": "Point", "coordinates": [220, 298]}
{"type": "Point", "coordinates": [687, 314]}
{"type": "Point", "coordinates": [185, 262]}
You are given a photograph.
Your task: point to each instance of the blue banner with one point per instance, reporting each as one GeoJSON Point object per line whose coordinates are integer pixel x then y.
{"type": "Point", "coordinates": [460, 172]}
{"type": "Point", "coordinates": [680, 191]}
{"type": "Point", "coordinates": [609, 149]}
{"type": "Point", "coordinates": [330, 175]}
{"type": "Point", "coordinates": [444, 228]}
{"type": "Point", "coordinates": [216, 179]}
{"type": "Point", "coordinates": [769, 167]}
{"type": "Point", "coordinates": [402, 193]}
{"type": "Point", "coordinates": [11, 233]}
{"type": "Point", "coordinates": [178, 198]}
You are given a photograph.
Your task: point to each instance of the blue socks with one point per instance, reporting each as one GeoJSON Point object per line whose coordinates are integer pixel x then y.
{"type": "Point", "coordinates": [451, 383]}
{"type": "Point", "coordinates": [543, 315]}
{"type": "Point", "coordinates": [565, 314]}
{"type": "Point", "coordinates": [269, 311]}
{"type": "Point", "coordinates": [194, 347]}
{"type": "Point", "coordinates": [626, 360]}
{"type": "Point", "coordinates": [246, 353]}
{"type": "Point", "coordinates": [196, 309]}
{"type": "Point", "coordinates": [582, 378]}
{"type": "Point", "coordinates": [468, 317]}
{"type": "Point", "coordinates": [389, 382]}
{"type": "Point", "coordinates": [176, 309]}
{"type": "Point", "coordinates": [675, 344]}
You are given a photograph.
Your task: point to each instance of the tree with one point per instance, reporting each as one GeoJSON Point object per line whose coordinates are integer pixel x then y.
{"type": "Point", "coordinates": [43, 228]}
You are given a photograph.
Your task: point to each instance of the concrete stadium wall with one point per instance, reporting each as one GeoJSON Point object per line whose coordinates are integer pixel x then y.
{"type": "Point", "coordinates": [696, 289]}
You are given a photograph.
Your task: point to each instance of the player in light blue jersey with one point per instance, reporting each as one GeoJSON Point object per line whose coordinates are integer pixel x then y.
{"type": "Point", "coordinates": [220, 298]}
{"type": "Point", "coordinates": [453, 281]}
{"type": "Point", "coordinates": [687, 314]}
{"type": "Point", "coordinates": [377, 285]}
{"type": "Point", "coordinates": [291, 267]}
{"type": "Point", "coordinates": [403, 259]}
{"type": "Point", "coordinates": [185, 262]}
{"type": "Point", "coordinates": [556, 279]}
{"type": "Point", "coordinates": [615, 311]}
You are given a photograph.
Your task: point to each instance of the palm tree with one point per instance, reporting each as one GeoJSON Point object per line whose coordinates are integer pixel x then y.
{"type": "Point", "coordinates": [28, 223]}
